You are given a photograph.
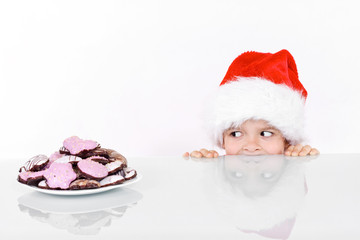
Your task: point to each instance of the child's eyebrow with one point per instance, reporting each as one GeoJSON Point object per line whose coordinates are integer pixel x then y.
{"type": "Point", "coordinates": [233, 128]}
{"type": "Point", "coordinates": [269, 128]}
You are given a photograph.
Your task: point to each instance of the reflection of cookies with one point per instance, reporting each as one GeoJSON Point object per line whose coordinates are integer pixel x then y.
{"type": "Point", "coordinates": [92, 170]}
{"type": "Point", "coordinates": [84, 184]}
{"type": "Point", "coordinates": [59, 175]}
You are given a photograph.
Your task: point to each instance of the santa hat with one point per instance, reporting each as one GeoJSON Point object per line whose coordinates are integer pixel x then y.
{"type": "Point", "coordinates": [260, 86]}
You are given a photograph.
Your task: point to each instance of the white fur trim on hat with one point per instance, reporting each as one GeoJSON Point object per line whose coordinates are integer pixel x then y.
{"type": "Point", "coordinates": [257, 98]}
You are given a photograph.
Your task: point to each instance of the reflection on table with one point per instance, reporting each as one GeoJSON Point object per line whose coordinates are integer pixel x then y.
{"type": "Point", "coordinates": [81, 215]}
{"type": "Point", "coordinates": [259, 194]}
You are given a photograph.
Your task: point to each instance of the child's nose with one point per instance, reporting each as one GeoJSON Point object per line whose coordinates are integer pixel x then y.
{"type": "Point", "coordinates": [251, 145]}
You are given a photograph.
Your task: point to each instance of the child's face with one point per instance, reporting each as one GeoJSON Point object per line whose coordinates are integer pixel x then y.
{"type": "Point", "coordinates": [254, 137]}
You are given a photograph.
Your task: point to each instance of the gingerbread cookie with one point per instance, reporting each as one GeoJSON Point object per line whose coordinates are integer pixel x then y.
{"type": "Point", "coordinates": [56, 155]}
{"type": "Point", "coordinates": [129, 173]}
{"type": "Point", "coordinates": [53, 157]}
{"type": "Point", "coordinates": [115, 166]}
{"type": "Point", "coordinates": [31, 178]}
{"type": "Point", "coordinates": [84, 184]}
{"type": "Point", "coordinates": [102, 152]}
{"type": "Point", "coordinates": [59, 175]}
{"type": "Point", "coordinates": [68, 159]}
{"type": "Point", "coordinates": [76, 145]}
{"type": "Point", "coordinates": [92, 170]}
{"type": "Point", "coordinates": [36, 163]}
{"type": "Point", "coordinates": [42, 184]}
{"type": "Point", "coordinates": [114, 155]}
{"type": "Point", "coordinates": [112, 180]}
{"type": "Point", "coordinates": [99, 159]}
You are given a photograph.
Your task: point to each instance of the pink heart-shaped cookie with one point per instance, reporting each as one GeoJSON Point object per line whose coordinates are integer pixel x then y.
{"type": "Point", "coordinates": [92, 170]}
{"type": "Point", "coordinates": [75, 145]}
{"type": "Point", "coordinates": [26, 177]}
{"type": "Point", "coordinates": [59, 175]}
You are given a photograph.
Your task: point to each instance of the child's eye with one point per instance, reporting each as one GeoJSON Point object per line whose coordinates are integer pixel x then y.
{"type": "Point", "coordinates": [236, 134]}
{"type": "Point", "coordinates": [267, 175]}
{"type": "Point", "coordinates": [237, 175]}
{"type": "Point", "coordinates": [266, 133]}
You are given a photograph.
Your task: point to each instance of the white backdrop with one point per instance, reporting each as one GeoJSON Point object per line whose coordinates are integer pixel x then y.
{"type": "Point", "coordinates": [134, 75]}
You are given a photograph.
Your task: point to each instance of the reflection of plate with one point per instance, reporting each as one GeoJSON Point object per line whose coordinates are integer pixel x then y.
{"type": "Point", "coordinates": [84, 191]}
{"type": "Point", "coordinates": [79, 204]}
{"type": "Point", "coordinates": [80, 215]}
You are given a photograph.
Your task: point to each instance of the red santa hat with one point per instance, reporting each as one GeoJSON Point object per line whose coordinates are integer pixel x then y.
{"type": "Point", "coordinates": [261, 86]}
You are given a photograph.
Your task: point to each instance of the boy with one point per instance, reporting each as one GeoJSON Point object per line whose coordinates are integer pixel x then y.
{"type": "Point", "coordinates": [259, 108]}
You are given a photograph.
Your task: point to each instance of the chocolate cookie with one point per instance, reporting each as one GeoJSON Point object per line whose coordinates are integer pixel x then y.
{"type": "Point", "coordinates": [42, 184]}
{"type": "Point", "coordinates": [99, 159]}
{"type": "Point", "coordinates": [114, 155]}
{"type": "Point", "coordinates": [129, 173]}
{"type": "Point", "coordinates": [76, 145]}
{"type": "Point", "coordinates": [112, 180]}
{"type": "Point", "coordinates": [31, 178]}
{"type": "Point", "coordinates": [68, 159]}
{"type": "Point", "coordinates": [84, 184]}
{"type": "Point", "coordinates": [115, 166]}
{"type": "Point", "coordinates": [101, 152]}
{"type": "Point", "coordinates": [59, 175]}
{"type": "Point", "coordinates": [92, 170]}
{"type": "Point", "coordinates": [35, 164]}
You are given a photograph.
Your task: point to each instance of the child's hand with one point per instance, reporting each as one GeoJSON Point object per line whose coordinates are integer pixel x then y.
{"type": "Point", "coordinates": [202, 153]}
{"type": "Point", "coordinates": [300, 150]}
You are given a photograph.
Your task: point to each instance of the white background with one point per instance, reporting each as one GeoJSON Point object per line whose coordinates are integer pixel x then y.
{"type": "Point", "coordinates": [134, 75]}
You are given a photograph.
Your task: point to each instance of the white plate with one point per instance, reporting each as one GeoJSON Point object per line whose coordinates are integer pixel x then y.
{"type": "Point", "coordinates": [84, 191]}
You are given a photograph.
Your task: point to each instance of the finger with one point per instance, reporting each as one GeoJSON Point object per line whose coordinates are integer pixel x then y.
{"type": "Point", "coordinates": [305, 150]}
{"type": "Point", "coordinates": [211, 154]}
{"type": "Point", "coordinates": [187, 154]}
{"type": "Point", "coordinates": [196, 154]}
{"type": "Point", "coordinates": [314, 151]}
{"type": "Point", "coordinates": [289, 150]}
{"type": "Point", "coordinates": [215, 153]}
{"type": "Point", "coordinates": [204, 152]}
{"type": "Point", "coordinates": [296, 150]}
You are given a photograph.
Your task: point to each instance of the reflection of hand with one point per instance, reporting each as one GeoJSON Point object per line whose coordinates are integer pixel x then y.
{"type": "Point", "coordinates": [300, 150]}
{"type": "Point", "coordinates": [202, 153]}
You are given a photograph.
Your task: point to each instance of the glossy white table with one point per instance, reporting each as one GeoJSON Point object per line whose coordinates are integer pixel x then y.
{"type": "Point", "coordinates": [267, 197]}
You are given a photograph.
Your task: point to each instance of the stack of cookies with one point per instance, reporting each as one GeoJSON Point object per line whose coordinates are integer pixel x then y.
{"type": "Point", "coordinates": [79, 164]}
